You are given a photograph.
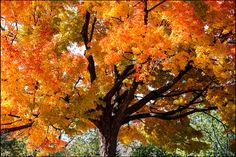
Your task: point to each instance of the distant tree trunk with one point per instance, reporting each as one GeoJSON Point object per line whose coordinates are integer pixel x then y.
{"type": "Point", "coordinates": [108, 133]}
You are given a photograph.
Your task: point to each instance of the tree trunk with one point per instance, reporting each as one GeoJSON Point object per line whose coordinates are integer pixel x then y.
{"type": "Point", "coordinates": [108, 144]}
{"type": "Point", "coordinates": [108, 133]}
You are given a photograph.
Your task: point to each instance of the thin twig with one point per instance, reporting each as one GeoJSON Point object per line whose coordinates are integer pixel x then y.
{"type": "Point", "coordinates": [156, 5]}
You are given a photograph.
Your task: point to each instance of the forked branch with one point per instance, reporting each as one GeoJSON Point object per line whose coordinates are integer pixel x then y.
{"type": "Point", "coordinates": [128, 71]}
{"type": "Point", "coordinates": [146, 10]}
{"type": "Point", "coordinates": [157, 93]}
{"type": "Point", "coordinates": [84, 33]}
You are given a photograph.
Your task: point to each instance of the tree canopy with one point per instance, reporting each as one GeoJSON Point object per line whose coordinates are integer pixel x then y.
{"type": "Point", "coordinates": [147, 65]}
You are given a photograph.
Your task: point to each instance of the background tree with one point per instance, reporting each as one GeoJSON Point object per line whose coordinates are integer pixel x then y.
{"type": "Point", "coordinates": [83, 145]}
{"type": "Point", "coordinates": [146, 67]}
{"type": "Point", "coordinates": [149, 151]}
{"type": "Point", "coordinates": [214, 134]}
{"type": "Point", "coordinates": [14, 147]}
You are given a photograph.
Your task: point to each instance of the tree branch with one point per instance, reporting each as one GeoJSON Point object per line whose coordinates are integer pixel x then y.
{"type": "Point", "coordinates": [76, 83]}
{"type": "Point", "coordinates": [180, 93]}
{"type": "Point", "coordinates": [218, 120]}
{"type": "Point", "coordinates": [163, 116]}
{"type": "Point", "coordinates": [156, 5]}
{"type": "Point", "coordinates": [127, 100]}
{"type": "Point", "coordinates": [145, 11]}
{"type": "Point", "coordinates": [9, 123]}
{"type": "Point", "coordinates": [116, 18]}
{"type": "Point", "coordinates": [217, 140]}
{"type": "Point", "coordinates": [69, 141]}
{"type": "Point", "coordinates": [93, 27]}
{"type": "Point", "coordinates": [131, 60]}
{"type": "Point", "coordinates": [116, 72]}
{"type": "Point", "coordinates": [12, 115]}
{"type": "Point", "coordinates": [17, 128]}
{"type": "Point", "coordinates": [116, 86]}
{"type": "Point", "coordinates": [84, 31]}
{"type": "Point", "coordinates": [224, 37]}
{"type": "Point", "coordinates": [157, 93]}
{"type": "Point", "coordinates": [193, 101]}
{"type": "Point", "coordinates": [91, 68]}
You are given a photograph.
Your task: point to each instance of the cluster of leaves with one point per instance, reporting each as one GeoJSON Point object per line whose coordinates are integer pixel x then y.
{"type": "Point", "coordinates": [182, 135]}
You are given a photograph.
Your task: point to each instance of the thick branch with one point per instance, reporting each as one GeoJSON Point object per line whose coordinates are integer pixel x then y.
{"type": "Point", "coordinates": [116, 86]}
{"type": "Point", "coordinates": [130, 96]}
{"type": "Point", "coordinates": [17, 128]}
{"type": "Point", "coordinates": [84, 31]}
{"type": "Point", "coordinates": [180, 92]}
{"type": "Point", "coordinates": [116, 72]}
{"type": "Point", "coordinates": [146, 12]}
{"type": "Point", "coordinates": [91, 68]}
{"type": "Point", "coordinates": [157, 93]}
{"type": "Point", "coordinates": [165, 117]}
{"type": "Point", "coordinates": [120, 97]}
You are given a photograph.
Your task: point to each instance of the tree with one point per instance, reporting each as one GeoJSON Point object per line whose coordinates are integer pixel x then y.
{"type": "Point", "coordinates": [149, 151]}
{"type": "Point", "coordinates": [83, 145]}
{"type": "Point", "coordinates": [13, 147]}
{"type": "Point", "coordinates": [147, 65]}
{"type": "Point", "coordinates": [213, 129]}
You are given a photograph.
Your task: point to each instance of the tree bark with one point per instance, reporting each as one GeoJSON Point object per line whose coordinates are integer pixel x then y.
{"type": "Point", "coordinates": [108, 143]}
{"type": "Point", "coordinates": [108, 132]}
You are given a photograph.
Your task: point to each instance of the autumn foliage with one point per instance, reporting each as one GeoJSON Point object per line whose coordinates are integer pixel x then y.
{"type": "Point", "coordinates": [147, 66]}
